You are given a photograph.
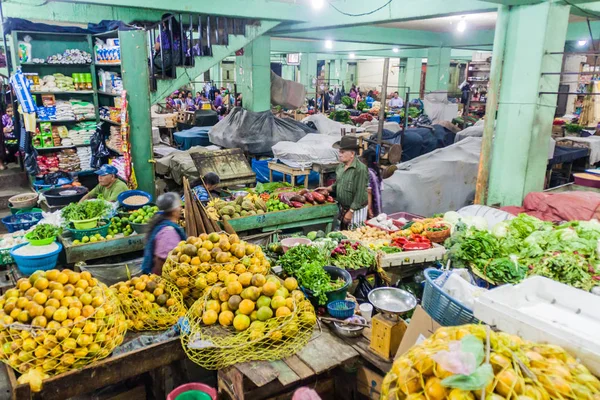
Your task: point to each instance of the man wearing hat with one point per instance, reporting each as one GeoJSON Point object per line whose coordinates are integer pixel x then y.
{"type": "Point", "coordinates": [350, 187]}
{"type": "Point", "coordinates": [109, 186]}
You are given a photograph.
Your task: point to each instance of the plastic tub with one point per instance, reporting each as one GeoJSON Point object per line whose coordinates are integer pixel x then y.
{"type": "Point", "coordinates": [139, 228]}
{"type": "Point", "coordinates": [338, 294]}
{"type": "Point", "coordinates": [286, 244]}
{"type": "Point", "coordinates": [341, 309]}
{"type": "Point", "coordinates": [41, 242]}
{"type": "Point", "coordinates": [193, 391]}
{"type": "Point", "coordinates": [444, 309]}
{"type": "Point", "coordinates": [78, 234]}
{"type": "Point", "coordinates": [128, 193]}
{"type": "Point", "coordinates": [27, 265]}
{"type": "Point", "coordinates": [28, 200]}
{"type": "Point", "coordinates": [86, 223]}
{"type": "Point", "coordinates": [23, 221]}
{"type": "Point", "coordinates": [64, 196]}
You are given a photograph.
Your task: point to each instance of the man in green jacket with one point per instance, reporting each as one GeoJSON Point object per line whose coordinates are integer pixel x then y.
{"type": "Point", "coordinates": [109, 186]}
{"type": "Point", "coordinates": [350, 187]}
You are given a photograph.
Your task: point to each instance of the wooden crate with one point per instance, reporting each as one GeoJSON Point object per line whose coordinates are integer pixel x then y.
{"type": "Point", "coordinates": [106, 248]}
{"type": "Point", "coordinates": [231, 165]}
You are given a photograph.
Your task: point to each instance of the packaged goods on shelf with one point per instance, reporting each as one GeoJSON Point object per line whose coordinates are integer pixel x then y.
{"type": "Point", "coordinates": [68, 160]}
{"type": "Point", "coordinates": [83, 109]}
{"type": "Point", "coordinates": [82, 132]}
{"type": "Point", "coordinates": [108, 52]}
{"type": "Point", "coordinates": [114, 141]}
{"type": "Point", "coordinates": [47, 163]}
{"type": "Point", "coordinates": [85, 158]}
{"type": "Point", "coordinates": [70, 56]}
{"type": "Point", "coordinates": [109, 82]}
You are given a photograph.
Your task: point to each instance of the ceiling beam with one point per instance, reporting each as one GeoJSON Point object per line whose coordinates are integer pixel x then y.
{"type": "Point", "coordinates": [394, 11]}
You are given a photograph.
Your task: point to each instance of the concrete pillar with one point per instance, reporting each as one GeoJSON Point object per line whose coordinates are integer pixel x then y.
{"type": "Point", "coordinates": [413, 76]}
{"type": "Point", "coordinates": [438, 69]}
{"type": "Point", "coordinates": [308, 72]}
{"type": "Point", "coordinates": [524, 122]}
{"type": "Point", "coordinates": [288, 72]}
{"type": "Point", "coordinates": [402, 78]}
{"type": "Point", "coordinates": [337, 68]}
{"type": "Point", "coordinates": [135, 80]}
{"type": "Point", "coordinates": [215, 74]}
{"type": "Point", "coordinates": [254, 81]}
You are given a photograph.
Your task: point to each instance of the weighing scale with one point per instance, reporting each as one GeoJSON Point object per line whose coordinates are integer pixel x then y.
{"type": "Point", "coordinates": [387, 328]}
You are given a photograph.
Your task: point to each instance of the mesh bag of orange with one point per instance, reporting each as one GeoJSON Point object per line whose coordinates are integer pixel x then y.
{"type": "Point", "coordinates": [207, 259]}
{"type": "Point", "coordinates": [56, 321]}
{"type": "Point", "coordinates": [253, 317]}
{"type": "Point", "coordinates": [149, 302]}
{"type": "Point", "coordinates": [514, 369]}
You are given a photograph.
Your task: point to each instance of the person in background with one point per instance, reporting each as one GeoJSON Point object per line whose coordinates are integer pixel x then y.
{"type": "Point", "coordinates": [178, 101]}
{"type": "Point", "coordinates": [239, 100]}
{"type": "Point", "coordinates": [163, 233]}
{"type": "Point", "coordinates": [396, 101]}
{"type": "Point", "coordinates": [164, 41]}
{"type": "Point", "coordinates": [369, 158]}
{"type": "Point", "coordinates": [204, 103]}
{"type": "Point", "coordinates": [198, 99]}
{"type": "Point", "coordinates": [109, 186]}
{"type": "Point", "coordinates": [350, 187]}
{"type": "Point", "coordinates": [203, 191]}
{"type": "Point", "coordinates": [190, 104]}
{"type": "Point", "coordinates": [218, 103]}
{"type": "Point", "coordinates": [352, 92]}
{"type": "Point", "coordinates": [7, 134]}
{"type": "Point", "coordinates": [169, 102]}
{"type": "Point", "coordinates": [370, 99]}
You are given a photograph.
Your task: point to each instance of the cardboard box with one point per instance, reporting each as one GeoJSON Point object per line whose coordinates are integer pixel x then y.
{"type": "Point", "coordinates": [421, 326]}
{"type": "Point", "coordinates": [369, 383]}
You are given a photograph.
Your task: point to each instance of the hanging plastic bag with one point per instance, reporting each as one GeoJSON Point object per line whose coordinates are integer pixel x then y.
{"type": "Point", "coordinates": [30, 162]}
{"type": "Point", "coordinates": [100, 153]}
{"type": "Point", "coordinates": [362, 289]}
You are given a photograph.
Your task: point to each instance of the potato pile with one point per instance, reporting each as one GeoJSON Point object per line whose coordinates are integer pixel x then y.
{"type": "Point", "coordinates": [149, 302]}
{"type": "Point", "coordinates": [203, 261]}
{"type": "Point", "coordinates": [367, 234]}
{"type": "Point", "coordinates": [558, 375]}
{"type": "Point", "coordinates": [55, 321]}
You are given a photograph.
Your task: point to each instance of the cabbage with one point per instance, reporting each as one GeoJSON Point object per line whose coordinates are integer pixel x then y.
{"type": "Point", "coordinates": [500, 230]}
{"type": "Point", "coordinates": [452, 217]}
{"type": "Point", "coordinates": [478, 223]}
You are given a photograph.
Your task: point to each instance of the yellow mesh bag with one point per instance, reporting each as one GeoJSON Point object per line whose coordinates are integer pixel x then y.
{"type": "Point", "coordinates": [261, 320]}
{"type": "Point", "coordinates": [149, 302]}
{"type": "Point", "coordinates": [58, 321]}
{"type": "Point", "coordinates": [203, 261]}
{"type": "Point", "coordinates": [522, 370]}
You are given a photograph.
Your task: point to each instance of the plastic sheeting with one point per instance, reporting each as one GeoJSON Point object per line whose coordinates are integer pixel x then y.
{"type": "Point", "coordinates": [312, 148]}
{"type": "Point", "coordinates": [438, 108]}
{"type": "Point", "coordinates": [261, 169]}
{"type": "Point", "coordinates": [327, 126]}
{"type": "Point", "coordinates": [441, 180]}
{"type": "Point", "coordinates": [288, 94]}
{"type": "Point", "coordinates": [254, 132]}
{"type": "Point", "coordinates": [179, 164]}
{"type": "Point", "coordinates": [372, 126]}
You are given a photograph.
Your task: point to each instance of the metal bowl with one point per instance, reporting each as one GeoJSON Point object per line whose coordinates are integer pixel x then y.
{"type": "Point", "coordinates": [350, 331]}
{"type": "Point", "coordinates": [392, 300]}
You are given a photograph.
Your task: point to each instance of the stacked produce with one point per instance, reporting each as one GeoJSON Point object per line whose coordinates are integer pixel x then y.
{"type": "Point", "coordinates": [143, 215]}
{"type": "Point", "coordinates": [247, 317]}
{"type": "Point", "coordinates": [43, 231]}
{"type": "Point", "coordinates": [253, 203]}
{"type": "Point", "coordinates": [55, 321]}
{"type": "Point", "coordinates": [526, 246]}
{"type": "Point", "coordinates": [352, 255]}
{"type": "Point", "coordinates": [200, 262]}
{"type": "Point", "coordinates": [119, 225]}
{"type": "Point", "coordinates": [368, 234]}
{"type": "Point", "coordinates": [87, 210]}
{"type": "Point", "coordinates": [452, 364]}
{"type": "Point", "coordinates": [149, 302]}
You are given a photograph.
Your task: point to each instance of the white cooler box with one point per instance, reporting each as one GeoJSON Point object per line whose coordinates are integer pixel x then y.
{"type": "Point", "coordinates": [542, 310]}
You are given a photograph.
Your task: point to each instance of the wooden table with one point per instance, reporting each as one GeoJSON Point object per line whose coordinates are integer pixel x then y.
{"type": "Point", "coordinates": [105, 248]}
{"type": "Point", "coordinates": [286, 170]}
{"type": "Point", "coordinates": [324, 169]}
{"type": "Point", "coordinates": [108, 371]}
{"type": "Point", "coordinates": [312, 366]}
{"type": "Point", "coordinates": [288, 219]}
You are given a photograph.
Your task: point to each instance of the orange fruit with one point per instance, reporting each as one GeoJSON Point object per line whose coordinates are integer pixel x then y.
{"type": "Point", "coordinates": [62, 278]}
{"type": "Point", "coordinates": [246, 307]}
{"type": "Point", "coordinates": [41, 283]}
{"type": "Point", "coordinates": [87, 310]}
{"type": "Point", "coordinates": [69, 289]}
{"type": "Point", "coordinates": [49, 312]}
{"type": "Point", "coordinates": [83, 284]}
{"type": "Point", "coordinates": [40, 298]}
{"type": "Point", "coordinates": [86, 298]}
{"type": "Point", "coordinates": [23, 285]}
{"type": "Point", "coordinates": [209, 317]}
{"type": "Point", "coordinates": [241, 322]}
{"type": "Point", "coordinates": [60, 315]}
{"type": "Point", "coordinates": [226, 318]}
{"type": "Point", "coordinates": [53, 302]}
{"type": "Point", "coordinates": [234, 287]}
{"type": "Point", "coordinates": [269, 288]}
{"type": "Point", "coordinates": [73, 277]}
{"type": "Point", "coordinates": [73, 313]}
{"type": "Point", "coordinates": [52, 274]}
{"type": "Point", "coordinates": [282, 312]}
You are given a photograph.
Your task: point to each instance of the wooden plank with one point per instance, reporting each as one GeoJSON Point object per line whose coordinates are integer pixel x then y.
{"type": "Point", "coordinates": [361, 345]}
{"type": "Point", "coordinates": [107, 248]}
{"type": "Point", "coordinates": [231, 165]}
{"type": "Point", "coordinates": [296, 365]}
{"type": "Point", "coordinates": [259, 372]}
{"type": "Point", "coordinates": [280, 218]}
{"type": "Point", "coordinates": [231, 381]}
{"type": "Point", "coordinates": [110, 371]}
{"type": "Point", "coordinates": [326, 352]}
{"type": "Point", "coordinates": [286, 375]}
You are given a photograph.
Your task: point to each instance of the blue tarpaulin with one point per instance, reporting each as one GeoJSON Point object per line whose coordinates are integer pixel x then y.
{"type": "Point", "coordinates": [261, 169]}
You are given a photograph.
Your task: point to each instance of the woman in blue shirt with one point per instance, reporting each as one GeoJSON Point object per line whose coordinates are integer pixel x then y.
{"type": "Point", "coordinates": [203, 192]}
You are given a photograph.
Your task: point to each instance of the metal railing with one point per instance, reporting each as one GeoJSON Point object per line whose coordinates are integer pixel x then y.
{"type": "Point", "coordinates": [178, 38]}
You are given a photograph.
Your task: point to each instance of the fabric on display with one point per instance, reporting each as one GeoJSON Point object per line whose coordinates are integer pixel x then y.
{"type": "Point", "coordinates": [445, 179]}
{"type": "Point", "coordinates": [254, 132]}
{"type": "Point", "coordinates": [312, 148]}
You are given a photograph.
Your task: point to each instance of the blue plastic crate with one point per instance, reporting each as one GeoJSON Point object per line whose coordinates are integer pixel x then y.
{"type": "Point", "coordinates": [21, 221]}
{"type": "Point", "coordinates": [444, 309]}
{"type": "Point", "coordinates": [341, 309]}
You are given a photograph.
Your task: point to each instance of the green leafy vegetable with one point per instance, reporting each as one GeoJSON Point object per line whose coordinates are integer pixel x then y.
{"type": "Point", "coordinates": [86, 210]}
{"type": "Point", "coordinates": [347, 101]}
{"type": "Point", "coordinates": [505, 270]}
{"type": "Point", "coordinates": [44, 231]}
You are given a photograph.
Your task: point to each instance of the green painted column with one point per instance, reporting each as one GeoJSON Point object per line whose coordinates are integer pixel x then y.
{"type": "Point", "coordinates": [438, 69]}
{"type": "Point", "coordinates": [308, 72]}
{"type": "Point", "coordinates": [254, 81]}
{"type": "Point", "coordinates": [215, 74]}
{"type": "Point", "coordinates": [136, 81]}
{"type": "Point", "coordinates": [401, 78]}
{"type": "Point", "coordinates": [524, 121]}
{"type": "Point", "coordinates": [413, 76]}
{"type": "Point", "coordinates": [337, 71]}
{"type": "Point", "coordinates": [288, 72]}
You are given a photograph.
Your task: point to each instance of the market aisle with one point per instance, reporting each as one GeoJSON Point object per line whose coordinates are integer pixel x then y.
{"type": "Point", "coordinates": [12, 182]}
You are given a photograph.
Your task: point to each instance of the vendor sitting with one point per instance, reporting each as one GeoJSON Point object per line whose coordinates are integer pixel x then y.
{"type": "Point", "coordinates": [396, 102]}
{"type": "Point", "coordinates": [163, 233]}
{"type": "Point", "coordinates": [204, 190]}
{"type": "Point", "coordinates": [109, 186]}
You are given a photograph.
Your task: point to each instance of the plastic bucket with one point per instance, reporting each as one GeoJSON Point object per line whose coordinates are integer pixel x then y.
{"type": "Point", "coordinates": [86, 223]}
{"type": "Point", "coordinates": [193, 391]}
{"type": "Point", "coordinates": [29, 264]}
{"type": "Point", "coordinates": [40, 242]}
{"type": "Point", "coordinates": [338, 294]}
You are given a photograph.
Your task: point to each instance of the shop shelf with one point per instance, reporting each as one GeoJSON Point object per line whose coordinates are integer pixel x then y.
{"type": "Point", "coordinates": [109, 94]}
{"type": "Point", "coordinates": [54, 64]}
{"type": "Point", "coordinates": [110, 121]}
{"type": "Point", "coordinates": [60, 121]}
{"type": "Point", "coordinates": [67, 92]}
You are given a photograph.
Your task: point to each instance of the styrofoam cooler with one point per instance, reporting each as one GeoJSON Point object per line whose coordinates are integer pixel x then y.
{"type": "Point", "coordinates": [542, 310]}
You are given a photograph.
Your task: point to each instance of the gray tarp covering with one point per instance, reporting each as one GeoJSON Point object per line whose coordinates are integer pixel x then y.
{"type": "Point", "coordinates": [441, 180]}
{"type": "Point", "coordinates": [179, 164]}
{"type": "Point", "coordinates": [288, 94]}
{"type": "Point", "coordinates": [438, 108]}
{"type": "Point", "coordinates": [255, 132]}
